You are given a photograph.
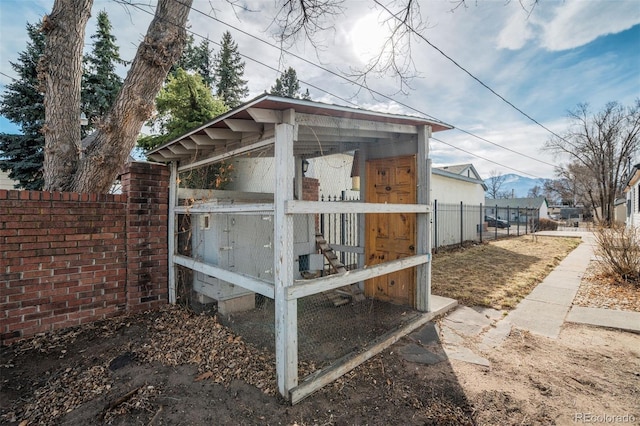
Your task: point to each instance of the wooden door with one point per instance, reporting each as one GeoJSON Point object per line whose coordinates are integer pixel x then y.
{"type": "Point", "coordinates": [391, 236]}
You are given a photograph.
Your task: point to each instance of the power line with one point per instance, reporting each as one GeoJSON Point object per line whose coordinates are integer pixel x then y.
{"type": "Point", "coordinates": [484, 158]}
{"type": "Point", "coordinates": [395, 15]}
{"type": "Point", "coordinates": [8, 76]}
{"type": "Point", "coordinates": [373, 91]}
{"type": "Point", "coordinates": [352, 82]}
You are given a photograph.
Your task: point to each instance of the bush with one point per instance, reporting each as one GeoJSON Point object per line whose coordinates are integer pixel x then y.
{"type": "Point", "coordinates": [619, 251]}
{"type": "Point", "coordinates": [547, 225]}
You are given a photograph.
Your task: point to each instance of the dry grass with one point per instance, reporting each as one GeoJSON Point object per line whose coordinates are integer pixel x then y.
{"type": "Point", "coordinates": [498, 274]}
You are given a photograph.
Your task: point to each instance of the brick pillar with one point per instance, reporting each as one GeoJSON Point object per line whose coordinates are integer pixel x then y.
{"type": "Point", "coordinates": [311, 192]}
{"type": "Point", "coordinates": [310, 189]}
{"type": "Point", "coordinates": [147, 189]}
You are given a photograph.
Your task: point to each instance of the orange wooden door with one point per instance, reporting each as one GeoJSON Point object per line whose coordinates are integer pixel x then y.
{"type": "Point", "coordinates": [391, 236]}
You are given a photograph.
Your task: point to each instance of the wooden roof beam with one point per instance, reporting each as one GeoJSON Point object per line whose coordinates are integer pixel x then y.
{"type": "Point", "coordinates": [342, 124]}
{"type": "Point", "coordinates": [217, 133]}
{"type": "Point", "coordinates": [202, 140]}
{"type": "Point", "coordinates": [245, 126]}
{"type": "Point", "coordinates": [262, 115]}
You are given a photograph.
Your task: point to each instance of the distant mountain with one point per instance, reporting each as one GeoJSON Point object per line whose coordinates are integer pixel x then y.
{"type": "Point", "coordinates": [519, 185]}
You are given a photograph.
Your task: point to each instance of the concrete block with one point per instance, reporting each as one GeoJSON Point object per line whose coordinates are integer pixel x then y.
{"type": "Point", "coordinates": [237, 304]}
{"type": "Point", "coordinates": [204, 300]}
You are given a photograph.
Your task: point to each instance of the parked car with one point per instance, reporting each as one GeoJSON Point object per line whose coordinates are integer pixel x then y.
{"type": "Point", "coordinates": [497, 223]}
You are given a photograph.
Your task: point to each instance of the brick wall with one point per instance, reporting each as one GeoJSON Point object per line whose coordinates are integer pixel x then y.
{"type": "Point", "coordinates": [68, 258]}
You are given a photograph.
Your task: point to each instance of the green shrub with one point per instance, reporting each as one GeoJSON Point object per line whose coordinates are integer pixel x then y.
{"type": "Point", "coordinates": [619, 251]}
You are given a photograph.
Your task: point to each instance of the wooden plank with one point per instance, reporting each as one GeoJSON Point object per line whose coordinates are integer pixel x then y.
{"type": "Point", "coordinates": [215, 133]}
{"type": "Point", "coordinates": [211, 194]}
{"type": "Point", "coordinates": [228, 154]}
{"type": "Point", "coordinates": [226, 208]}
{"type": "Point", "coordinates": [177, 148]}
{"type": "Point", "coordinates": [286, 316]}
{"type": "Point", "coordinates": [348, 363]}
{"type": "Point", "coordinates": [423, 287]}
{"type": "Point", "coordinates": [171, 231]}
{"type": "Point", "coordinates": [262, 115]}
{"type": "Point", "coordinates": [203, 140]}
{"type": "Point", "coordinates": [245, 281]}
{"type": "Point", "coordinates": [244, 126]}
{"type": "Point", "coordinates": [317, 207]}
{"type": "Point", "coordinates": [313, 120]}
{"type": "Point", "coordinates": [303, 288]}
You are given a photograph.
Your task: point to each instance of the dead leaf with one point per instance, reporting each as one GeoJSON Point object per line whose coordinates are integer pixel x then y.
{"type": "Point", "coordinates": [204, 376]}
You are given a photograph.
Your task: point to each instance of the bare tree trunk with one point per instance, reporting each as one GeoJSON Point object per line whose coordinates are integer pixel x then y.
{"type": "Point", "coordinates": [60, 72]}
{"type": "Point", "coordinates": [108, 148]}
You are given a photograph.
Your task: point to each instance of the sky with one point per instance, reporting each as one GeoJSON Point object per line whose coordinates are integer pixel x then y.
{"type": "Point", "coordinates": [544, 61]}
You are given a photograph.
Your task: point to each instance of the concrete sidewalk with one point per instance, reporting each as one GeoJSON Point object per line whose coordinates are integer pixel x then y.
{"type": "Point", "coordinates": [542, 312]}
{"type": "Point", "coordinates": [549, 305]}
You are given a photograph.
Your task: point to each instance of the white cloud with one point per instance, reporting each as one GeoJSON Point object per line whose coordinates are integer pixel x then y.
{"type": "Point", "coordinates": [516, 33]}
{"type": "Point", "coordinates": [576, 23]}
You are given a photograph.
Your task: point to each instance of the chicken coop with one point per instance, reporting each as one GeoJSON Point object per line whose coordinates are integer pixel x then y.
{"type": "Point", "coordinates": [249, 219]}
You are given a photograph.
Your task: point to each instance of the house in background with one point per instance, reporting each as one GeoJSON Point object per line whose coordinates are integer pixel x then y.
{"type": "Point", "coordinates": [456, 184]}
{"type": "Point", "coordinates": [517, 210]}
{"type": "Point", "coordinates": [6, 182]}
{"type": "Point", "coordinates": [457, 193]}
{"type": "Point", "coordinates": [632, 191]}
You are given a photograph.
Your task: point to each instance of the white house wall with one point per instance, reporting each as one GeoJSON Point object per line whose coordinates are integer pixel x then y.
{"type": "Point", "coordinates": [633, 201]}
{"type": "Point", "coordinates": [452, 191]}
{"type": "Point", "coordinates": [5, 182]}
{"type": "Point", "coordinates": [334, 174]}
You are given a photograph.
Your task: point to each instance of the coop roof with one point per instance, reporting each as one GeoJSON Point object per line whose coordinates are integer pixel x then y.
{"type": "Point", "coordinates": [322, 129]}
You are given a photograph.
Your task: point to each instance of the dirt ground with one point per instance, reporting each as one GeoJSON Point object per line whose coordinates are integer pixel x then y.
{"type": "Point", "coordinates": [174, 367]}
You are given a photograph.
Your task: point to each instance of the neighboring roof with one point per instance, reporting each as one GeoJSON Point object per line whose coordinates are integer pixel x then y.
{"type": "Point", "coordinates": [634, 177]}
{"type": "Point", "coordinates": [463, 172]}
{"type": "Point", "coordinates": [322, 129]}
{"type": "Point", "coordinates": [523, 203]}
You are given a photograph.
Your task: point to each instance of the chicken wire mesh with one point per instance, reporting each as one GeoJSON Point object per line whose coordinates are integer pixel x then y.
{"type": "Point", "coordinates": [332, 324]}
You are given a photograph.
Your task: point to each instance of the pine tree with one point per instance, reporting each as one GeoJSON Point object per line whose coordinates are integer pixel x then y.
{"type": "Point", "coordinates": [228, 73]}
{"type": "Point", "coordinates": [196, 59]}
{"type": "Point", "coordinates": [22, 103]}
{"type": "Point", "coordinates": [288, 86]}
{"type": "Point", "coordinates": [100, 83]}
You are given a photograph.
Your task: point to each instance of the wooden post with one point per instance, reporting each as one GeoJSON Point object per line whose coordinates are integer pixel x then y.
{"type": "Point", "coordinates": [286, 315]}
{"type": "Point", "coordinates": [171, 230]}
{"type": "Point", "coordinates": [423, 225]}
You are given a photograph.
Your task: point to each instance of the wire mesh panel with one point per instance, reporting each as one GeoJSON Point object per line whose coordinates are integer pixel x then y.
{"type": "Point", "coordinates": [326, 333]}
{"type": "Point", "coordinates": [341, 230]}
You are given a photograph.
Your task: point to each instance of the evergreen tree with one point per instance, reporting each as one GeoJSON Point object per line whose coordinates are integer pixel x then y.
{"type": "Point", "coordinates": [184, 103]}
{"type": "Point", "coordinates": [100, 83]}
{"type": "Point", "coordinates": [22, 103]}
{"type": "Point", "coordinates": [288, 86]}
{"type": "Point", "coordinates": [228, 73]}
{"type": "Point", "coordinates": [196, 59]}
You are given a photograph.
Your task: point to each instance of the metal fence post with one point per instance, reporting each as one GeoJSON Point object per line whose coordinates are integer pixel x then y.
{"type": "Point", "coordinates": [435, 226]}
{"type": "Point", "coordinates": [508, 220]}
{"type": "Point", "coordinates": [461, 224]}
{"type": "Point", "coordinates": [481, 225]}
{"type": "Point", "coordinates": [495, 228]}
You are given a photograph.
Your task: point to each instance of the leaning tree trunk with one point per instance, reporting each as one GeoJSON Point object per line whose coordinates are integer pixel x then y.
{"type": "Point", "coordinates": [107, 149]}
{"type": "Point", "coordinates": [60, 74]}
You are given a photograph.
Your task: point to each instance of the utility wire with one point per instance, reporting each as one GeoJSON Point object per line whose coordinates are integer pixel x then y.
{"type": "Point", "coordinates": [381, 94]}
{"type": "Point", "coordinates": [484, 158]}
{"type": "Point", "coordinates": [352, 82]}
{"type": "Point", "coordinates": [348, 80]}
{"type": "Point", "coordinates": [8, 76]}
{"type": "Point", "coordinates": [410, 28]}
